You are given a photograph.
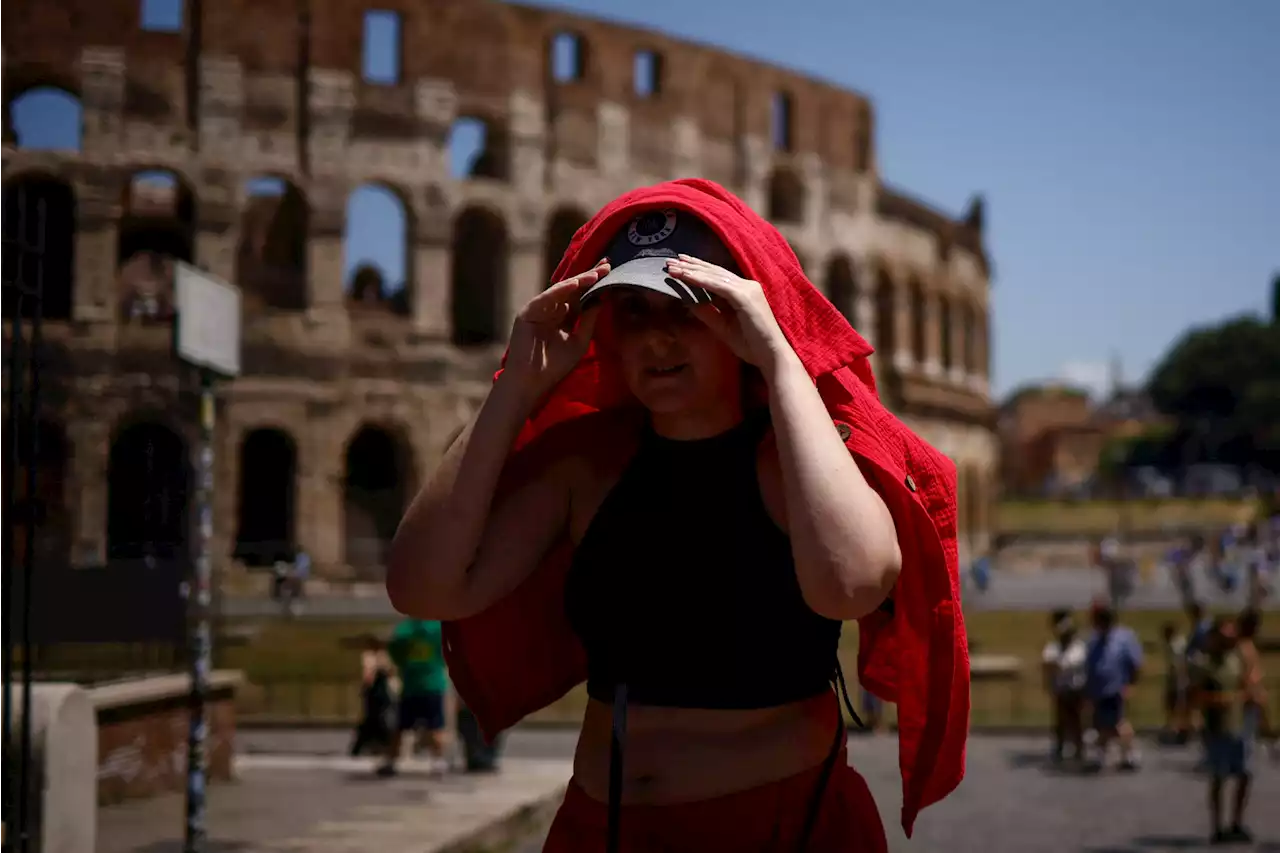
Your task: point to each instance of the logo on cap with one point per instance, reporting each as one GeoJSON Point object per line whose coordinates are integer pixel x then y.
{"type": "Point", "coordinates": [652, 227]}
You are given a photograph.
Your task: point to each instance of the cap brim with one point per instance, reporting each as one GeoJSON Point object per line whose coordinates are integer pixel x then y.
{"type": "Point", "coordinates": [650, 274]}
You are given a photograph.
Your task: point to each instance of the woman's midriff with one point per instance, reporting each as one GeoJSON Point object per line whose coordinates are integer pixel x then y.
{"type": "Point", "coordinates": [675, 755]}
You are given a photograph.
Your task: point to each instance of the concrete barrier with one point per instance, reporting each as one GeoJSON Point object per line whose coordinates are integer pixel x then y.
{"type": "Point", "coordinates": [64, 749]}
{"type": "Point", "coordinates": [143, 729]}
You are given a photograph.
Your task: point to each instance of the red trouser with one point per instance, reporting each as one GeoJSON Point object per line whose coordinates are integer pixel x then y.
{"type": "Point", "coordinates": [766, 819]}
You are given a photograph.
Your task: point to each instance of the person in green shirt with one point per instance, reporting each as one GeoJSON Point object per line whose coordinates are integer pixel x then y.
{"type": "Point", "coordinates": [417, 650]}
{"type": "Point", "coordinates": [1218, 679]}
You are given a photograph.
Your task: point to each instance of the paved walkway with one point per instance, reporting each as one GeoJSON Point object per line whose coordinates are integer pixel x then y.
{"type": "Point", "coordinates": [330, 804]}
{"type": "Point", "coordinates": [299, 793]}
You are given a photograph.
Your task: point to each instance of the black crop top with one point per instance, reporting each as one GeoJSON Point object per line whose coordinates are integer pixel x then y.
{"type": "Point", "coordinates": [684, 589]}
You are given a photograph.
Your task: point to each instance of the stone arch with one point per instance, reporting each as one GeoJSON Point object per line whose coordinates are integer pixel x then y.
{"type": "Point", "coordinates": [376, 240]}
{"type": "Point", "coordinates": [919, 328]}
{"type": "Point", "coordinates": [886, 316]}
{"type": "Point", "coordinates": [44, 117]}
{"type": "Point", "coordinates": [969, 338]}
{"type": "Point", "coordinates": [377, 485]}
{"type": "Point", "coordinates": [842, 287]}
{"type": "Point", "coordinates": [271, 260]}
{"type": "Point", "coordinates": [946, 340]}
{"type": "Point", "coordinates": [40, 213]}
{"type": "Point", "coordinates": [148, 489]}
{"type": "Point", "coordinates": [157, 227]}
{"type": "Point", "coordinates": [563, 224]}
{"type": "Point", "coordinates": [479, 147]}
{"type": "Point", "coordinates": [268, 497]}
{"type": "Point", "coordinates": [786, 196]}
{"type": "Point", "coordinates": [39, 489]}
{"type": "Point", "coordinates": [479, 285]}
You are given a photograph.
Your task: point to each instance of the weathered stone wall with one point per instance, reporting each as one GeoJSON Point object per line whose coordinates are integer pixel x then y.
{"type": "Point", "coordinates": [249, 89]}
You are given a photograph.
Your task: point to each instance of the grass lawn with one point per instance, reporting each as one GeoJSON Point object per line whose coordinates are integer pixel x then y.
{"type": "Point", "coordinates": [308, 670]}
{"type": "Point", "coordinates": [1095, 518]}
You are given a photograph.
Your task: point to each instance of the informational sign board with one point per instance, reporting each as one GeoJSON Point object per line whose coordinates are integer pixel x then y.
{"type": "Point", "coordinates": [209, 320]}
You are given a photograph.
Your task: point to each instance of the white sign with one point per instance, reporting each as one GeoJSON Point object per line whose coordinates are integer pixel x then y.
{"type": "Point", "coordinates": [208, 328]}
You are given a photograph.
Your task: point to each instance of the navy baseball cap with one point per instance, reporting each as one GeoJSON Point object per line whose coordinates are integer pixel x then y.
{"type": "Point", "coordinates": [639, 254]}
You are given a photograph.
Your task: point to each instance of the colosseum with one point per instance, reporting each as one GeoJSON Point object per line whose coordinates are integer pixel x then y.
{"type": "Point", "coordinates": [234, 135]}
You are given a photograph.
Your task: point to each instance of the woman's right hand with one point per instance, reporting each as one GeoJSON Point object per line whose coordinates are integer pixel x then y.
{"type": "Point", "coordinates": [551, 334]}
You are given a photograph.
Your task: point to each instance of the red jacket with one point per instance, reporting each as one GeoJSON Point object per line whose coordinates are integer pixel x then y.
{"type": "Point", "coordinates": [520, 655]}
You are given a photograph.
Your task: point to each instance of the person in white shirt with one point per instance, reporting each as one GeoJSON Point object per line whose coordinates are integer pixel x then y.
{"type": "Point", "coordinates": [1064, 672]}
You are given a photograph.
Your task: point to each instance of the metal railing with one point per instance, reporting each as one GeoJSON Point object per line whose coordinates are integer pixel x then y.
{"type": "Point", "coordinates": [23, 284]}
{"type": "Point", "coordinates": [1003, 702]}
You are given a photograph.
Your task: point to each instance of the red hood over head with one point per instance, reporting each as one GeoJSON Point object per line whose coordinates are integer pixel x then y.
{"type": "Point", "coordinates": [519, 655]}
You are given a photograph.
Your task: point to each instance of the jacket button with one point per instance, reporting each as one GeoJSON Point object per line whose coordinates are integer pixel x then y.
{"type": "Point", "coordinates": [911, 484]}
{"type": "Point", "coordinates": [845, 431]}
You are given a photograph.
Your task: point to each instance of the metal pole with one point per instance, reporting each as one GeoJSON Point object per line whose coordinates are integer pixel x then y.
{"type": "Point", "coordinates": [198, 604]}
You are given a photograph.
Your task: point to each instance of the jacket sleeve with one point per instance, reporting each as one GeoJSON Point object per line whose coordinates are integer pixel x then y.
{"type": "Point", "coordinates": [916, 652]}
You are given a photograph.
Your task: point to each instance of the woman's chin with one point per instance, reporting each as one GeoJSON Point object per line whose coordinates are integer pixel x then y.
{"type": "Point", "coordinates": [667, 396]}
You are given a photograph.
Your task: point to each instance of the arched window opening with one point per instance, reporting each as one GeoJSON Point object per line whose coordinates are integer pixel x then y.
{"type": "Point", "coordinates": [479, 277]}
{"type": "Point", "coordinates": [886, 318]}
{"type": "Point", "coordinates": [842, 288]}
{"type": "Point", "coordinates": [646, 74]}
{"type": "Point", "coordinates": [376, 239]}
{"type": "Point", "coordinates": [376, 488]}
{"type": "Point", "coordinates": [40, 245]}
{"type": "Point", "coordinates": [786, 196]}
{"type": "Point", "coordinates": [271, 261]}
{"type": "Point", "coordinates": [382, 41]}
{"type": "Point", "coordinates": [162, 16]}
{"type": "Point", "coordinates": [44, 500]}
{"type": "Point", "coordinates": [44, 118]}
{"type": "Point", "coordinates": [564, 223]}
{"type": "Point", "coordinates": [568, 58]}
{"type": "Point", "coordinates": [946, 343]}
{"type": "Point", "coordinates": [969, 344]}
{"type": "Point", "coordinates": [157, 227]}
{"type": "Point", "coordinates": [477, 149]}
{"type": "Point", "coordinates": [268, 489]}
{"type": "Point", "coordinates": [919, 341]}
{"type": "Point", "coordinates": [148, 477]}
{"type": "Point", "coordinates": [782, 122]}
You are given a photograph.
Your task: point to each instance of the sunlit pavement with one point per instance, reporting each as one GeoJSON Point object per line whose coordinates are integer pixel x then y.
{"type": "Point", "coordinates": [1010, 800]}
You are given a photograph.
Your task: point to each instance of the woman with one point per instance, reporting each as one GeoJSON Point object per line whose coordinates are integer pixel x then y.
{"type": "Point", "coordinates": [721, 532]}
{"type": "Point", "coordinates": [378, 700]}
{"type": "Point", "coordinates": [1063, 662]}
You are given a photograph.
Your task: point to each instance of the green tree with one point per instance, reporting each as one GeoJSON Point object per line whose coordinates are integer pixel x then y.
{"type": "Point", "coordinates": [1275, 300]}
{"type": "Point", "coordinates": [1222, 386]}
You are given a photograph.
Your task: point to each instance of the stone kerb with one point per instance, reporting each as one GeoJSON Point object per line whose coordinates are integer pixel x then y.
{"type": "Point", "coordinates": [64, 754]}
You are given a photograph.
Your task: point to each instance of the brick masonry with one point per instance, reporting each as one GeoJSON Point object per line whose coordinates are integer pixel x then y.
{"type": "Point", "coordinates": [142, 748]}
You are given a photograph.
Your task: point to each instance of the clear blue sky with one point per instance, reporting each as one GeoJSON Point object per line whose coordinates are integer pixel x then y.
{"type": "Point", "coordinates": [1129, 151]}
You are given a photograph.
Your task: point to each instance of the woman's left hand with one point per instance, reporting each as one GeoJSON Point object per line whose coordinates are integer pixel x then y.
{"type": "Point", "coordinates": [739, 313]}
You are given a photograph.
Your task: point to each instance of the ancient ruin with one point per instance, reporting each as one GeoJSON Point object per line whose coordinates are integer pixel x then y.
{"type": "Point", "coordinates": [239, 135]}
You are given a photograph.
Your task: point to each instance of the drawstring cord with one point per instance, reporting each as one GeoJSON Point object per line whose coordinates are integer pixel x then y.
{"type": "Point", "coordinates": [617, 749]}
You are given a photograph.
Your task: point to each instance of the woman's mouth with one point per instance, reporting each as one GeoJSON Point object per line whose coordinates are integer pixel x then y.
{"type": "Point", "coordinates": [665, 372]}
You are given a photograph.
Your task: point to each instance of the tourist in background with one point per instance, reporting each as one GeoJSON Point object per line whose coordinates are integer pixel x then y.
{"type": "Point", "coordinates": [1176, 709]}
{"type": "Point", "coordinates": [377, 720]}
{"type": "Point", "coordinates": [1064, 673]}
{"type": "Point", "coordinates": [1220, 682]}
{"type": "Point", "coordinates": [1112, 665]}
{"type": "Point", "coordinates": [417, 650]}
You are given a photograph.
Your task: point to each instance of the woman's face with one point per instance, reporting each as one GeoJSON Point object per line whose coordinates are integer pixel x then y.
{"type": "Point", "coordinates": [671, 360]}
